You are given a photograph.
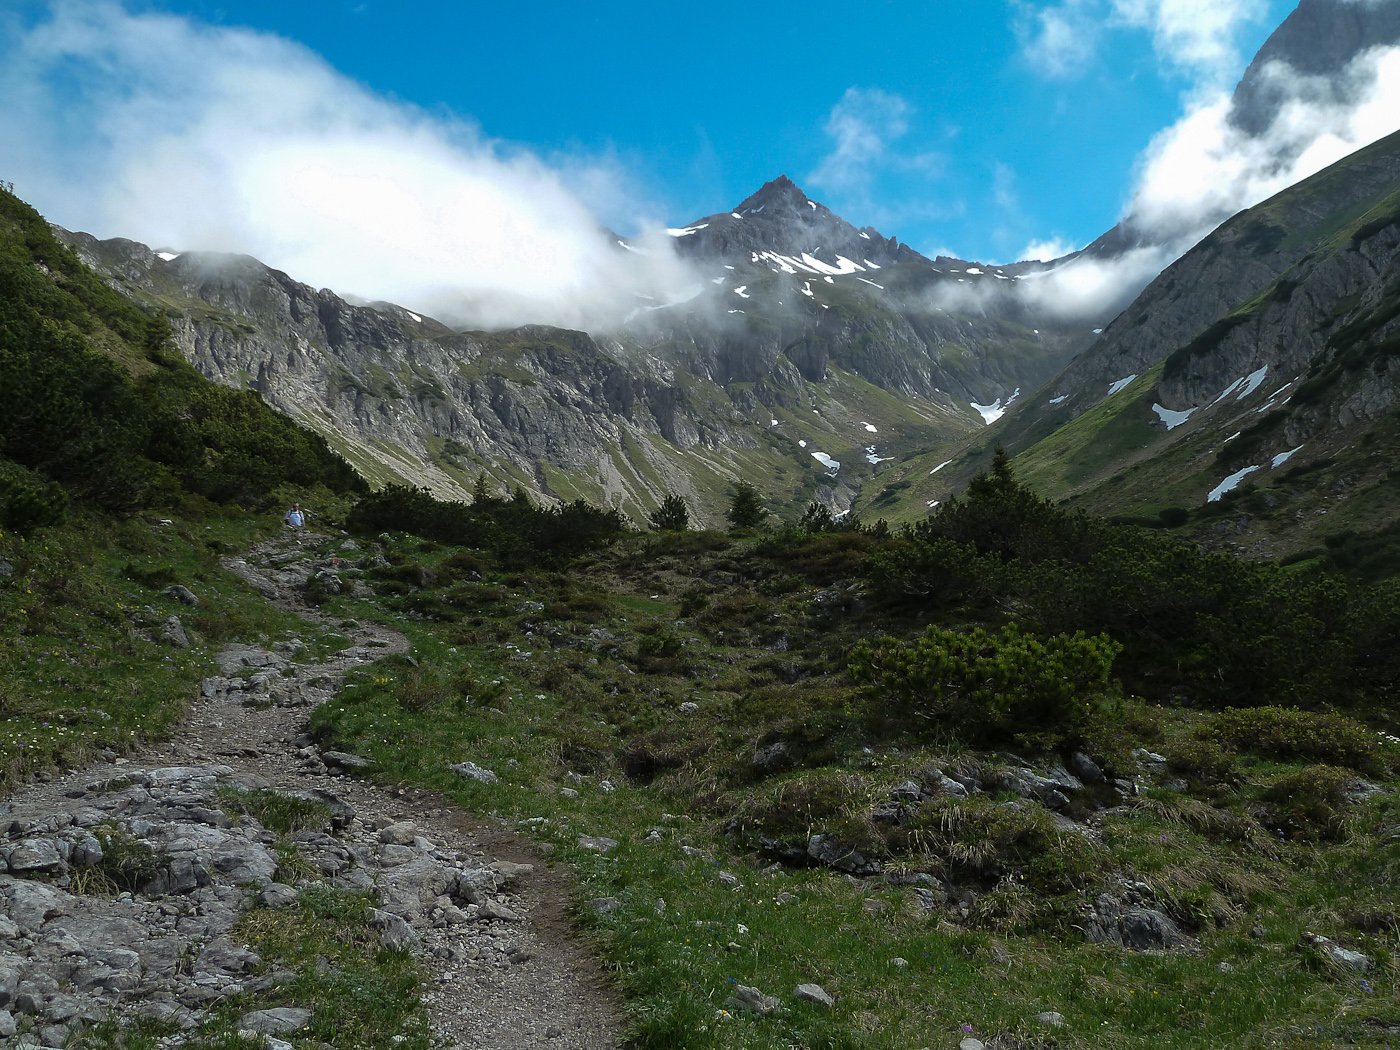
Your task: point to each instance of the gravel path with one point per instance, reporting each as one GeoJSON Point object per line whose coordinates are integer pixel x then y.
{"type": "Point", "coordinates": [508, 974]}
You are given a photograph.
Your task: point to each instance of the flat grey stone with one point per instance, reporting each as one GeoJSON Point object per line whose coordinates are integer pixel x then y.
{"type": "Point", "coordinates": [278, 895]}
{"type": "Point", "coordinates": [472, 771]}
{"type": "Point", "coordinates": [971, 1043]}
{"type": "Point", "coordinates": [605, 905]}
{"type": "Point", "coordinates": [813, 993]}
{"type": "Point", "coordinates": [753, 1000]}
{"type": "Point", "coordinates": [399, 834]}
{"type": "Point", "coordinates": [496, 910]}
{"type": "Point", "coordinates": [1052, 1018]}
{"type": "Point", "coordinates": [599, 843]}
{"type": "Point", "coordinates": [393, 931]}
{"type": "Point", "coordinates": [276, 1021]}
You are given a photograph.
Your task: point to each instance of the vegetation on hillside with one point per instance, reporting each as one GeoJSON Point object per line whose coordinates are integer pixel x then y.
{"type": "Point", "coordinates": [95, 405]}
{"type": "Point", "coordinates": [824, 751]}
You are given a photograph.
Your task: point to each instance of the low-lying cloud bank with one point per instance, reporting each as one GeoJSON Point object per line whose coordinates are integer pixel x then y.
{"type": "Point", "coordinates": [187, 136]}
{"type": "Point", "coordinates": [1204, 169]}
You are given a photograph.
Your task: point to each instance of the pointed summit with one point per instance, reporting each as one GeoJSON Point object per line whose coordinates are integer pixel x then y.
{"type": "Point", "coordinates": [780, 218]}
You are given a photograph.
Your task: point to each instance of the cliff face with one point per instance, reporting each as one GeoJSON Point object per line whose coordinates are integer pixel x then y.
{"type": "Point", "coordinates": [560, 413]}
{"type": "Point", "coordinates": [1318, 39]}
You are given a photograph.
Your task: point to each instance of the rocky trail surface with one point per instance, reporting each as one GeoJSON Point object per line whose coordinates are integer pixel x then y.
{"type": "Point", "coordinates": [484, 918]}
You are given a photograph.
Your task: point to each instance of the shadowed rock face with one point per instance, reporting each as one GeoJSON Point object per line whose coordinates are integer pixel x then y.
{"type": "Point", "coordinates": [1319, 39]}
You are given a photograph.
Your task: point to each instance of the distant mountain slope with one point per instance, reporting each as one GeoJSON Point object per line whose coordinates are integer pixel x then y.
{"type": "Point", "coordinates": [559, 413]}
{"type": "Point", "coordinates": [1267, 358]}
{"type": "Point", "coordinates": [792, 363]}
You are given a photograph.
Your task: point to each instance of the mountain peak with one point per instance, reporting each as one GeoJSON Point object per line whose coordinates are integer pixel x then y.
{"type": "Point", "coordinates": [781, 192]}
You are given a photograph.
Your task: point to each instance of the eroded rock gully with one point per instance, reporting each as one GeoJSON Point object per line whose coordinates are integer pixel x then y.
{"type": "Point", "coordinates": [484, 916]}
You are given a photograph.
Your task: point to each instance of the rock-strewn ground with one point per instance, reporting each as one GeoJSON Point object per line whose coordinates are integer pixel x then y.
{"type": "Point", "coordinates": [484, 917]}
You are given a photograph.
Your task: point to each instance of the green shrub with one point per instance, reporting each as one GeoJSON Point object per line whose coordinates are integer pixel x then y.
{"type": "Point", "coordinates": [672, 516]}
{"type": "Point", "coordinates": [28, 500]}
{"type": "Point", "coordinates": [1311, 803]}
{"type": "Point", "coordinates": [1287, 732]}
{"type": "Point", "coordinates": [989, 688]}
{"type": "Point", "coordinates": [746, 509]}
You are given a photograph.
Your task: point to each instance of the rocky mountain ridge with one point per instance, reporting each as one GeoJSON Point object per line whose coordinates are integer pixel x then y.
{"type": "Point", "coordinates": [787, 384]}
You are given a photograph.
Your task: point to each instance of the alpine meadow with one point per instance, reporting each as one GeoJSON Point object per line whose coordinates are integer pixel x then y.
{"type": "Point", "coordinates": [787, 638]}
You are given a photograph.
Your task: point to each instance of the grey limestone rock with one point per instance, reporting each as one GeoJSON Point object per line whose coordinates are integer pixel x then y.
{"type": "Point", "coordinates": [172, 632]}
{"type": "Point", "coordinates": [752, 1000]}
{"type": "Point", "coordinates": [277, 1021]}
{"type": "Point", "coordinates": [472, 771]}
{"type": "Point", "coordinates": [813, 993]}
{"type": "Point", "coordinates": [1085, 768]}
{"type": "Point", "coordinates": [183, 595]}
{"type": "Point", "coordinates": [393, 931]}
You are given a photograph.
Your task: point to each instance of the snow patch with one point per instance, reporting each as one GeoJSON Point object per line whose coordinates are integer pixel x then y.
{"type": "Point", "coordinates": [718, 280]}
{"type": "Point", "coordinates": [870, 264]}
{"type": "Point", "coordinates": [802, 444]}
{"type": "Point", "coordinates": [774, 423]}
{"type": "Point", "coordinates": [872, 283]}
{"type": "Point", "coordinates": [826, 461]}
{"type": "Point", "coordinates": [1228, 391]}
{"type": "Point", "coordinates": [1232, 437]}
{"type": "Point", "coordinates": [1229, 484]}
{"type": "Point", "coordinates": [974, 271]}
{"type": "Point", "coordinates": [872, 458]}
{"type": "Point", "coordinates": [1170, 418]}
{"type": "Point", "coordinates": [869, 426]}
{"type": "Point", "coordinates": [865, 235]}
{"type": "Point", "coordinates": [1282, 458]}
{"type": "Point", "coordinates": [807, 289]}
{"type": "Point", "coordinates": [740, 291]}
{"type": "Point", "coordinates": [1098, 331]}
{"type": "Point", "coordinates": [1057, 400]}
{"type": "Point", "coordinates": [414, 316]}
{"type": "Point", "coordinates": [1113, 388]}
{"type": "Point", "coordinates": [828, 280]}
{"type": "Point", "coordinates": [813, 204]}
{"type": "Point", "coordinates": [989, 413]}
{"type": "Point", "coordinates": [932, 503]}
{"type": "Point", "coordinates": [736, 215]}
{"type": "Point", "coordinates": [168, 256]}
{"type": "Point", "coordinates": [940, 466]}
{"type": "Point", "coordinates": [686, 231]}
{"type": "Point", "coordinates": [1252, 382]}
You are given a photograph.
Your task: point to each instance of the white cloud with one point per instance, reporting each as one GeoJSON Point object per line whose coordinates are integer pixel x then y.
{"type": "Point", "coordinates": [862, 125]}
{"type": "Point", "coordinates": [1194, 36]}
{"type": "Point", "coordinates": [1203, 169]}
{"type": "Point", "coordinates": [1046, 250]}
{"type": "Point", "coordinates": [226, 139]}
{"type": "Point", "coordinates": [1059, 41]}
{"type": "Point", "coordinates": [865, 126]}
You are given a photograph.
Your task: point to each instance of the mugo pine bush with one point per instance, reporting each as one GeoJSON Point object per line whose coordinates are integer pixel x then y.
{"type": "Point", "coordinates": [989, 688]}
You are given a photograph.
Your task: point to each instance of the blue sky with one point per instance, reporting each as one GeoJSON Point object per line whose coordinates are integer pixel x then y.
{"type": "Point", "coordinates": [972, 127]}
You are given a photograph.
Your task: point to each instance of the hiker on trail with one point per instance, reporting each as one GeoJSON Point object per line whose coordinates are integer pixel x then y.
{"type": "Point", "coordinates": [295, 518]}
